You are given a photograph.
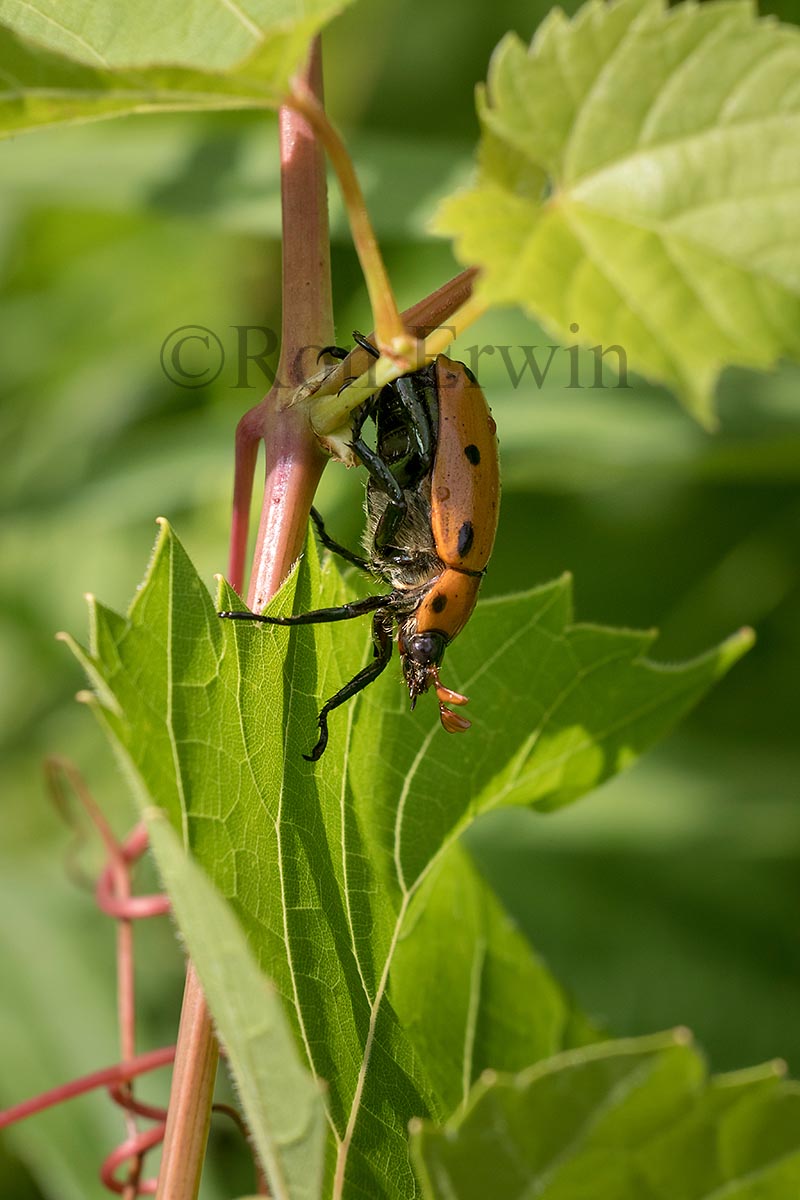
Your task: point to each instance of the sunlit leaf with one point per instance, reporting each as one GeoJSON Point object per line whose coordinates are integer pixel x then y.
{"type": "Point", "coordinates": [327, 865]}
{"type": "Point", "coordinates": [639, 186]}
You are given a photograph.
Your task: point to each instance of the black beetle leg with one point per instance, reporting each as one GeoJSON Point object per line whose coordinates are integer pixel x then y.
{"type": "Point", "coordinates": [383, 652]}
{"type": "Point", "coordinates": [406, 387]}
{"type": "Point", "coordinates": [319, 616]}
{"type": "Point", "coordinates": [334, 351]}
{"type": "Point", "coordinates": [365, 344]}
{"type": "Point", "coordinates": [335, 547]}
{"type": "Point", "coordinates": [379, 472]}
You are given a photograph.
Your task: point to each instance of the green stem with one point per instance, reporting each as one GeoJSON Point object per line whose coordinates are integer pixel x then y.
{"type": "Point", "coordinates": [330, 410]}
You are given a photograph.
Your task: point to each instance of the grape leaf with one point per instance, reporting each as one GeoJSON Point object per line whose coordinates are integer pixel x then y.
{"type": "Point", "coordinates": [623, 1120]}
{"type": "Point", "coordinates": [67, 63]}
{"type": "Point", "coordinates": [286, 1123]}
{"type": "Point", "coordinates": [504, 1010]}
{"type": "Point", "coordinates": [639, 186]}
{"type": "Point", "coordinates": [326, 866]}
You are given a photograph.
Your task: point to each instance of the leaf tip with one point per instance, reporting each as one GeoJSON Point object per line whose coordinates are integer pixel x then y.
{"type": "Point", "coordinates": [779, 1067]}
{"type": "Point", "coordinates": [84, 696]}
{"type": "Point", "coordinates": [415, 1126]}
{"type": "Point", "coordinates": [682, 1035]}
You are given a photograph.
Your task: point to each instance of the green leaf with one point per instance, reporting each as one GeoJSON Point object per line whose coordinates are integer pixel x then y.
{"type": "Point", "coordinates": [639, 186]}
{"type": "Point", "coordinates": [286, 1122]}
{"type": "Point", "coordinates": [625, 1120]}
{"type": "Point", "coordinates": [67, 63]}
{"type": "Point", "coordinates": [327, 866]}
{"type": "Point", "coordinates": [503, 1008]}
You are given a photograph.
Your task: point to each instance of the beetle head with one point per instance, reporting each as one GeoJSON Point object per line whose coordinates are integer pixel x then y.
{"type": "Point", "coordinates": [421, 655]}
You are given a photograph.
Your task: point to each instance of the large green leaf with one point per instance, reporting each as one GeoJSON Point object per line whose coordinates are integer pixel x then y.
{"type": "Point", "coordinates": [287, 1123]}
{"type": "Point", "coordinates": [85, 61]}
{"type": "Point", "coordinates": [327, 865]}
{"type": "Point", "coordinates": [639, 186]}
{"type": "Point", "coordinates": [629, 1120]}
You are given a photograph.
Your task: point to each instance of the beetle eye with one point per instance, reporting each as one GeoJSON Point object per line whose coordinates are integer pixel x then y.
{"type": "Point", "coordinates": [426, 648]}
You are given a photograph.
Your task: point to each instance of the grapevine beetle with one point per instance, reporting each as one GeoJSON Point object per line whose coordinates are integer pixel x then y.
{"type": "Point", "coordinates": [432, 504]}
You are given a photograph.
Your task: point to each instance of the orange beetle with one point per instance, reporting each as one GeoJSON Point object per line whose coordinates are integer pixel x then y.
{"type": "Point", "coordinates": [432, 505]}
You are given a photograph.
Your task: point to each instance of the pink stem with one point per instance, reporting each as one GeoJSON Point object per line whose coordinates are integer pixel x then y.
{"type": "Point", "coordinates": [294, 460]}
{"type": "Point", "coordinates": [113, 895]}
{"type": "Point", "coordinates": [108, 1076]}
{"type": "Point", "coordinates": [247, 438]}
{"type": "Point", "coordinates": [294, 463]}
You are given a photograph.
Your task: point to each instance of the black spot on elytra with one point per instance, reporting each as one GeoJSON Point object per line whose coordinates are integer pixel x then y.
{"type": "Point", "coordinates": [439, 603]}
{"type": "Point", "coordinates": [473, 454]}
{"type": "Point", "coordinates": [466, 536]}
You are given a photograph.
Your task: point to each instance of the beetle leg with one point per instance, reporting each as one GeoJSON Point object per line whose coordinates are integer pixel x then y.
{"type": "Point", "coordinates": [340, 353]}
{"type": "Point", "coordinates": [365, 344]}
{"type": "Point", "coordinates": [379, 472]}
{"type": "Point", "coordinates": [419, 418]}
{"type": "Point", "coordinates": [392, 517]}
{"type": "Point", "coordinates": [334, 351]}
{"type": "Point", "coordinates": [335, 547]}
{"type": "Point", "coordinates": [382, 644]}
{"type": "Point", "coordinates": [320, 616]}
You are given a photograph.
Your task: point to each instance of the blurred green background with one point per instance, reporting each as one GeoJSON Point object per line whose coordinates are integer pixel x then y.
{"type": "Point", "coordinates": [671, 896]}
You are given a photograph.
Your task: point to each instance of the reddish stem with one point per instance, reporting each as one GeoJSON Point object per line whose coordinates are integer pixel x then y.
{"type": "Point", "coordinates": [113, 893]}
{"type": "Point", "coordinates": [294, 463]}
{"type": "Point", "coordinates": [189, 1112]}
{"type": "Point", "coordinates": [294, 460]}
{"type": "Point", "coordinates": [106, 1077]}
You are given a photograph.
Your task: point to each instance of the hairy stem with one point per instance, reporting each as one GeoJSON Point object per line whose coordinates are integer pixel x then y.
{"type": "Point", "coordinates": [294, 464]}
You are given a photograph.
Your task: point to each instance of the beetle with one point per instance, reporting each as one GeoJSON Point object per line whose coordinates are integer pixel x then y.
{"type": "Point", "coordinates": [432, 504]}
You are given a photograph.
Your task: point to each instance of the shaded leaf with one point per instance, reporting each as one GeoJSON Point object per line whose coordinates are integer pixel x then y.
{"type": "Point", "coordinates": [625, 1120]}
{"type": "Point", "coordinates": [83, 62]}
{"type": "Point", "coordinates": [494, 1003]}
